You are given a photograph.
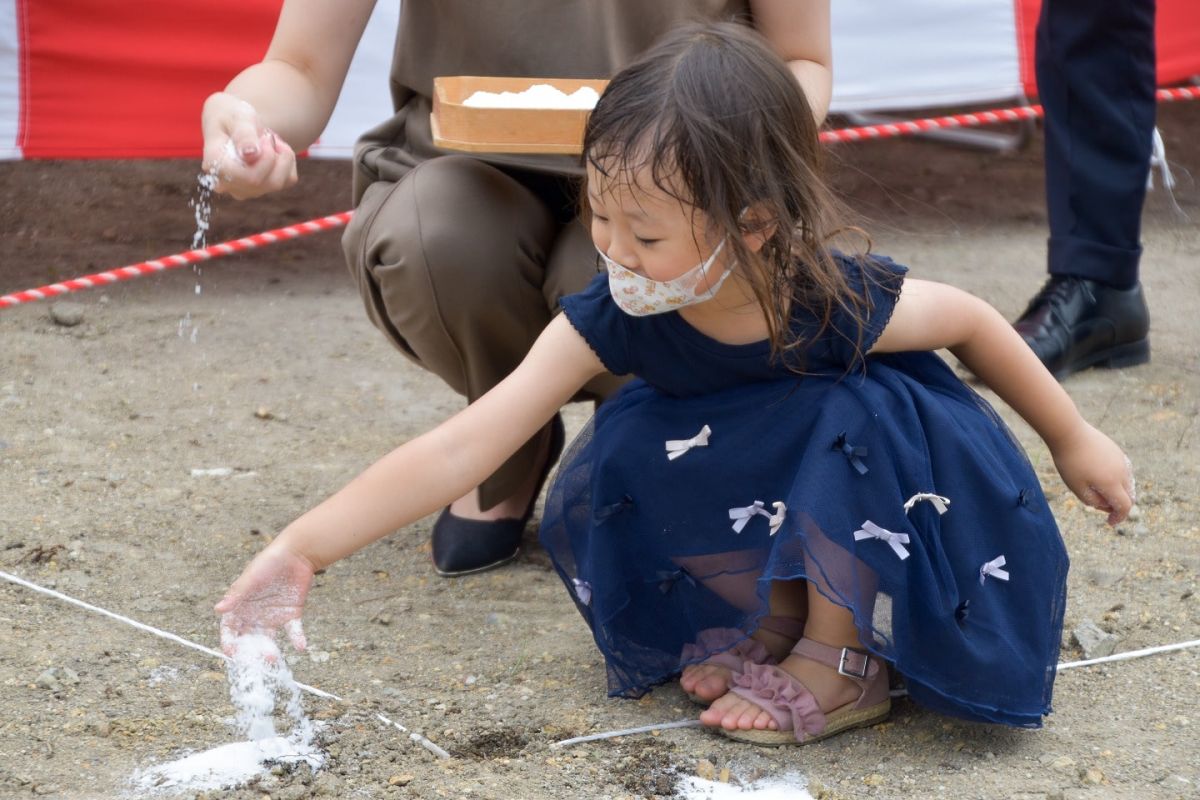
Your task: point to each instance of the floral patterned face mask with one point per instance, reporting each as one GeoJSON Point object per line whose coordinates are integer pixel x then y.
{"type": "Point", "coordinates": [640, 296]}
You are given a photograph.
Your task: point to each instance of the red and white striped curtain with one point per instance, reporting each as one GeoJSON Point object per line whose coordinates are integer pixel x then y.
{"type": "Point", "coordinates": [98, 79]}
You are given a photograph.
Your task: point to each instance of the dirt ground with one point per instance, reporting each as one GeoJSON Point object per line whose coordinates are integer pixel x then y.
{"type": "Point", "coordinates": [273, 372]}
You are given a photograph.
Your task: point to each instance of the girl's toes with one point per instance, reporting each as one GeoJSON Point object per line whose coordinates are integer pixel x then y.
{"type": "Point", "coordinates": [706, 682]}
{"type": "Point", "coordinates": [712, 685]}
{"type": "Point", "coordinates": [716, 713]}
{"type": "Point", "coordinates": [752, 717]}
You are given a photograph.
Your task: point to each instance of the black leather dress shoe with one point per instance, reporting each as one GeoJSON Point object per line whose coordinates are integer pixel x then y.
{"type": "Point", "coordinates": [1075, 323]}
{"type": "Point", "coordinates": [464, 546]}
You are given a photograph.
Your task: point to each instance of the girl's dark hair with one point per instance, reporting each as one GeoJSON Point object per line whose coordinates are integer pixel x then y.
{"type": "Point", "coordinates": [723, 126]}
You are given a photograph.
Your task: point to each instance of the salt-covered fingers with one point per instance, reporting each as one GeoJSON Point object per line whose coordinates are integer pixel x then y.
{"type": "Point", "coordinates": [295, 632]}
{"type": "Point", "coordinates": [267, 596]}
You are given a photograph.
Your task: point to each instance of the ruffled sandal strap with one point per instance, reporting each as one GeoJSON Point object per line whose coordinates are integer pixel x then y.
{"type": "Point", "coordinates": [787, 700]}
{"type": "Point", "coordinates": [725, 647]}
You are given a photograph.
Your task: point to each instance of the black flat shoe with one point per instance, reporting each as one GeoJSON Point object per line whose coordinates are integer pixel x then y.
{"type": "Point", "coordinates": [465, 546]}
{"type": "Point", "coordinates": [1075, 323]}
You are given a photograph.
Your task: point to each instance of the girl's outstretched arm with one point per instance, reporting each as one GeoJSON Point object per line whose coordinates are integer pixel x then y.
{"type": "Point", "coordinates": [930, 316]}
{"type": "Point", "coordinates": [410, 482]}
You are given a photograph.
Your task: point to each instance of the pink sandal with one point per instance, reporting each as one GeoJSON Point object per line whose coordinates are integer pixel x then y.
{"type": "Point", "coordinates": [736, 651]}
{"type": "Point", "coordinates": [793, 706]}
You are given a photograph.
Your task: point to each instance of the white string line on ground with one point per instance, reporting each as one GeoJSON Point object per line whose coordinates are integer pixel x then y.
{"type": "Point", "coordinates": [416, 737]}
{"type": "Point", "coordinates": [440, 753]}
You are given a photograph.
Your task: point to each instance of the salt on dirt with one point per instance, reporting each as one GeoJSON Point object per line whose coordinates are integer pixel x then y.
{"type": "Point", "coordinates": [258, 678]}
{"type": "Point", "coordinates": [790, 786]}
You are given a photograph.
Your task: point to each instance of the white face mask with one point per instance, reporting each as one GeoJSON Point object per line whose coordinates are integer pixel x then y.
{"type": "Point", "coordinates": [640, 296]}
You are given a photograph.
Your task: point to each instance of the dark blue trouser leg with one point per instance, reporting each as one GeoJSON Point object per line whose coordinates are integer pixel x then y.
{"type": "Point", "coordinates": [1095, 75]}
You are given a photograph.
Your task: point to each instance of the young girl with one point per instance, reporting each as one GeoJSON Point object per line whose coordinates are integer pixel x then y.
{"type": "Point", "coordinates": [794, 491]}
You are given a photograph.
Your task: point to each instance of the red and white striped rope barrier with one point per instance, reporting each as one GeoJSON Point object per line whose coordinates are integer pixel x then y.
{"type": "Point", "coordinates": [887, 130]}
{"type": "Point", "coordinates": [178, 260]}
{"type": "Point", "coordinates": [882, 131]}
{"type": "Point", "coordinates": [975, 119]}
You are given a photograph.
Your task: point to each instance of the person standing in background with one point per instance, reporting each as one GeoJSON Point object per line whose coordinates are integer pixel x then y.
{"type": "Point", "coordinates": [1096, 81]}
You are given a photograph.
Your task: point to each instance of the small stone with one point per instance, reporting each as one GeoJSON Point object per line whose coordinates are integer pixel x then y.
{"type": "Point", "coordinates": [210, 472]}
{"type": "Point", "coordinates": [723, 776]}
{"type": "Point", "coordinates": [292, 792]}
{"type": "Point", "coordinates": [1135, 514]}
{"type": "Point", "coordinates": [400, 780]}
{"type": "Point", "coordinates": [1063, 764]}
{"type": "Point", "coordinates": [328, 785]}
{"type": "Point", "coordinates": [57, 677]}
{"type": "Point", "coordinates": [262, 412]}
{"type": "Point", "coordinates": [1093, 776]}
{"type": "Point", "coordinates": [1105, 578]}
{"type": "Point", "coordinates": [874, 779]}
{"type": "Point", "coordinates": [1095, 642]}
{"type": "Point", "coordinates": [50, 680]}
{"type": "Point", "coordinates": [66, 314]}
{"type": "Point", "coordinates": [706, 770]}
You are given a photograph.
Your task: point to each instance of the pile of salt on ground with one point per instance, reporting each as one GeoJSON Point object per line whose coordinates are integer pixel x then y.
{"type": "Point", "coordinates": [540, 95]}
{"type": "Point", "coordinates": [258, 675]}
{"type": "Point", "coordinates": [784, 787]}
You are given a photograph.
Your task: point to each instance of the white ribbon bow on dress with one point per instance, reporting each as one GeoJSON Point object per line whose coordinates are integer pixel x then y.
{"type": "Point", "coordinates": [583, 590]}
{"type": "Point", "coordinates": [942, 504]}
{"type": "Point", "coordinates": [993, 568]}
{"type": "Point", "coordinates": [896, 541]}
{"type": "Point", "coordinates": [743, 515]}
{"type": "Point", "coordinates": [677, 447]}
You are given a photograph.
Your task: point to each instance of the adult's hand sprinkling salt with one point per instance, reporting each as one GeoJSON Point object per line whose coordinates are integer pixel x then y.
{"type": "Point", "coordinates": [247, 158]}
{"type": "Point", "coordinates": [267, 596]}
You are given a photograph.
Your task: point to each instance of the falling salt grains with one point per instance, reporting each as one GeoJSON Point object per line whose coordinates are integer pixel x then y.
{"type": "Point", "coordinates": [187, 326]}
{"type": "Point", "coordinates": [202, 204]}
{"type": "Point", "coordinates": [258, 678]}
{"type": "Point", "coordinates": [257, 674]}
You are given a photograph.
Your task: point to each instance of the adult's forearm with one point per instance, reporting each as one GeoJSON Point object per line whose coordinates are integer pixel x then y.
{"type": "Point", "coordinates": [286, 100]}
{"type": "Point", "coordinates": [817, 82]}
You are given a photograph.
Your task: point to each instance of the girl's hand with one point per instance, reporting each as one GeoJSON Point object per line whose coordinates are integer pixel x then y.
{"type": "Point", "coordinates": [1097, 471]}
{"type": "Point", "coordinates": [268, 595]}
{"type": "Point", "coordinates": [250, 159]}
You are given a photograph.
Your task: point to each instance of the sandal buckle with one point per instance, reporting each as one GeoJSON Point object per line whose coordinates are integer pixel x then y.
{"type": "Point", "coordinates": [844, 669]}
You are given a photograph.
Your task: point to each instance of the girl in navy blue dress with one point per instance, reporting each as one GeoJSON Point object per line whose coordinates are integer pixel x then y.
{"type": "Point", "coordinates": [794, 491]}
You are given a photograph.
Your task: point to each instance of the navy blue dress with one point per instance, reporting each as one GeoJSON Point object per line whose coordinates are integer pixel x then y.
{"type": "Point", "coordinates": [888, 482]}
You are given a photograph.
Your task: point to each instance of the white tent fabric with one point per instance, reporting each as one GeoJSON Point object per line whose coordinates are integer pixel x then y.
{"type": "Point", "coordinates": [10, 80]}
{"type": "Point", "coordinates": [909, 55]}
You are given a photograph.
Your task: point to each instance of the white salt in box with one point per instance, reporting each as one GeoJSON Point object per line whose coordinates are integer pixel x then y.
{"type": "Point", "coordinates": [484, 129]}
